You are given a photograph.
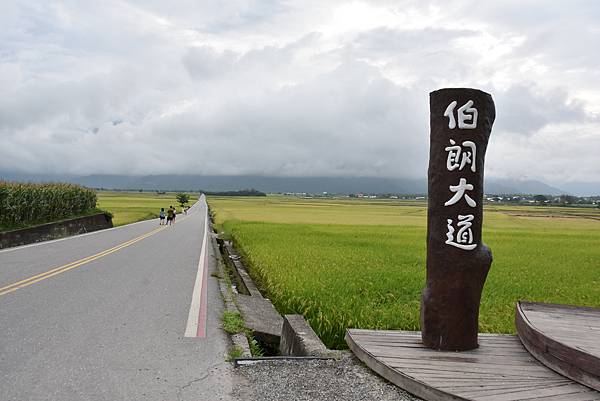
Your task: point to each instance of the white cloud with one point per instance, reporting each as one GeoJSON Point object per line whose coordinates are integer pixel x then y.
{"type": "Point", "coordinates": [277, 88]}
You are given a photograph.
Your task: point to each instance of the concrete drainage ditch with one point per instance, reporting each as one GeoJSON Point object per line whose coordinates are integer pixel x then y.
{"type": "Point", "coordinates": [279, 337]}
{"type": "Point", "coordinates": [290, 361]}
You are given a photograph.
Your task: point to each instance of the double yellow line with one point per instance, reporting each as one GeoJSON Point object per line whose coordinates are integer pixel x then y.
{"type": "Point", "coordinates": [61, 269]}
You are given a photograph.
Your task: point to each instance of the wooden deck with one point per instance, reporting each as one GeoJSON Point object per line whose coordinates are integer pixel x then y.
{"type": "Point", "coordinates": [564, 338]}
{"type": "Point", "coordinates": [500, 369]}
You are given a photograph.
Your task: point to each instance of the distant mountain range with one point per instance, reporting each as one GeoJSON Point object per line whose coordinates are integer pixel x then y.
{"type": "Point", "coordinates": [342, 185]}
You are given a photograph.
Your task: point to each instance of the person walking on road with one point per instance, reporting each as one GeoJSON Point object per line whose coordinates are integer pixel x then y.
{"type": "Point", "coordinates": [161, 216]}
{"type": "Point", "coordinates": [170, 215]}
{"type": "Point", "coordinates": [174, 213]}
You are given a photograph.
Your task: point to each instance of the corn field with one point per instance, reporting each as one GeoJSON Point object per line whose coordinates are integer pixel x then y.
{"type": "Point", "coordinates": [23, 204]}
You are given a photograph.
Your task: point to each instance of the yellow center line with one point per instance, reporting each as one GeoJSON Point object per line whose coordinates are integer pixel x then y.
{"type": "Point", "coordinates": [64, 268]}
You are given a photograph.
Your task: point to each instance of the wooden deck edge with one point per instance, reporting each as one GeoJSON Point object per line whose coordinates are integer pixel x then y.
{"type": "Point", "coordinates": [405, 382]}
{"type": "Point", "coordinates": [555, 354]}
{"type": "Point", "coordinates": [563, 306]}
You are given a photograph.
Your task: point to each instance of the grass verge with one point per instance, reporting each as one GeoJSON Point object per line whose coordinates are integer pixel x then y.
{"type": "Point", "coordinates": [233, 322]}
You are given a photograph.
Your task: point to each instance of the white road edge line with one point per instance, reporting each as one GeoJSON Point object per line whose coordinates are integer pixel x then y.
{"type": "Point", "coordinates": [191, 329]}
{"type": "Point", "coordinates": [16, 248]}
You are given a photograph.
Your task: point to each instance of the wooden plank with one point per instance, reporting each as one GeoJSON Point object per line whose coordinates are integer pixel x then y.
{"type": "Point", "coordinates": [475, 371]}
{"type": "Point", "coordinates": [493, 360]}
{"type": "Point", "coordinates": [415, 387]}
{"type": "Point", "coordinates": [504, 358]}
{"type": "Point", "coordinates": [563, 311]}
{"type": "Point", "coordinates": [488, 376]}
{"type": "Point", "coordinates": [549, 307]}
{"type": "Point", "coordinates": [460, 366]}
{"type": "Point", "coordinates": [510, 391]}
{"type": "Point", "coordinates": [419, 349]}
{"type": "Point", "coordinates": [561, 366]}
{"type": "Point", "coordinates": [481, 352]}
{"type": "Point", "coordinates": [483, 341]}
{"type": "Point", "coordinates": [562, 314]}
{"type": "Point", "coordinates": [461, 381]}
{"type": "Point", "coordinates": [590, 329]}
{"type": "Point", "coordinates": [571, 356]}
{"type": "Point", "coordinates": [484, 349]}
{"type": "Point", "coordinates": [485, 390]}
{"type": "Point", "coordinates": [386, 333]}
{"type": "Point", "coordinates": [587, 326]}
{"type": "Point", "coordinates": [524, 395]}
{"type": "Point", "coordinates": [583, 396]}
{"type": "Point", "coordinates": [437, 375]}
{"type": "Point", "coordinates": [451, 375]}
{"type": "Point", "coordinates": [574, 335]}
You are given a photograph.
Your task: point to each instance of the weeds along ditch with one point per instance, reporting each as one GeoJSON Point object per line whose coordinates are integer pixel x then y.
{"type": "Point", "coordinates": [362, 264]}
{"type": "Point", "coordinates": [232, 321]}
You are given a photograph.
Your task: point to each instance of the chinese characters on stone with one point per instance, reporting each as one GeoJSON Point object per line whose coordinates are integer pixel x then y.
{"type": "Point", "coordinates": [459, 193]}
{"type": "Point", "coordinates": [464, 237]}
{"type": "Point", "coordinates": [460, 156]}
{"type": "Point", "coordinates": [467, 115]}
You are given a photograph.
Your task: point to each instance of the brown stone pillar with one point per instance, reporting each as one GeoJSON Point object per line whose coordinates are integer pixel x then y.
{"type": "Point", "coordinates": [457, 261]}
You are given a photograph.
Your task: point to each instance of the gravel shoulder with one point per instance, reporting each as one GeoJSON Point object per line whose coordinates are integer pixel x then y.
{"type": "Point", "coordinates": [346, 379]}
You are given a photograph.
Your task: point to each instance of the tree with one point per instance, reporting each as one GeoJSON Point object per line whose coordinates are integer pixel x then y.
{"type": "Point", "coordinates": [568, 199]}
{"type": "Point", "coordinates": [182, 198]}
{"type": "Point", "coordinates": [540, 199]}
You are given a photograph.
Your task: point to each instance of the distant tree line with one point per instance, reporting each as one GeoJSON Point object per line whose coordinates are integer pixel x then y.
{"type": "Point", "coordinates": [242, 192]}
{"type": "Point", "coordinates": [548, 200]}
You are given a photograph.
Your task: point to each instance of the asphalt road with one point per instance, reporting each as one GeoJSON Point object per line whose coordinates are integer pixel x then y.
{"type": "Point", "coordinates": [111, 326]}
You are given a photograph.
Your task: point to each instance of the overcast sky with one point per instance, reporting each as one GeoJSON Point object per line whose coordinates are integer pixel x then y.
{"type": "Point", "coordinates": [296, 88]}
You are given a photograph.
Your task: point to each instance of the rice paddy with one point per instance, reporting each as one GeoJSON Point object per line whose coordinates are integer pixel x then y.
{"type": "Point", "coordinates": [130, 207]}
{"type": "Point", "coordinates": [358, 263]}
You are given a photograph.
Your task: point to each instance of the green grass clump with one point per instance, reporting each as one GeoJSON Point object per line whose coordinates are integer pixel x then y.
{"type": "Point", "coordinates": [235, 352]}
{"type": "Point", "coordinates": [233, 322]}
{"type": "Point", "coordinates": [363, 265]}
{"type": "Point", "coordinates": [26, 204]}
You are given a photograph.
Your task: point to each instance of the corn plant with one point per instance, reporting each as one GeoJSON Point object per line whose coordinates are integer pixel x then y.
{"type": "Point", "coordinates": [28, 203]}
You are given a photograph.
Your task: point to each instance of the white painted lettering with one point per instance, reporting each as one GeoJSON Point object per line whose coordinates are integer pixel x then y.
{"type": "Point", "coordinates": [464, 237]}
{"type": "Point", "coordinates": [459, 193]}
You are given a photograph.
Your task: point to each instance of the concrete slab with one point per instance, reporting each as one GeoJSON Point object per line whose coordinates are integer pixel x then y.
{"type": "Point", "coordinates": [299, 339]}
{"type": "Point", "coordinates": [261, 317]}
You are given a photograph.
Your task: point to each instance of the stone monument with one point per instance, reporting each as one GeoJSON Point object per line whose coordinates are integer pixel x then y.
{"type": "Point", "coordinates": [457, 261]}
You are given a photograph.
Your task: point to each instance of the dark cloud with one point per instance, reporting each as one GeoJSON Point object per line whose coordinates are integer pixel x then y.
{"type": "Point", "coordinates": [275, 88]}
{"type": "Point", "coordinates": [525, 110]}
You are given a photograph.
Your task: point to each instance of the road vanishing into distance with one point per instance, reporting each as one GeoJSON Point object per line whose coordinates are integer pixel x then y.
{"type": "Point", "coordinates": [129, 313]}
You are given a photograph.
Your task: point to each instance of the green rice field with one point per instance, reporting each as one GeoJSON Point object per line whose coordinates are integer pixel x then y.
{"type": "Point", "coordinates": [129, 207]}
{"type": "Point", "coordinates": [361, 263]}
